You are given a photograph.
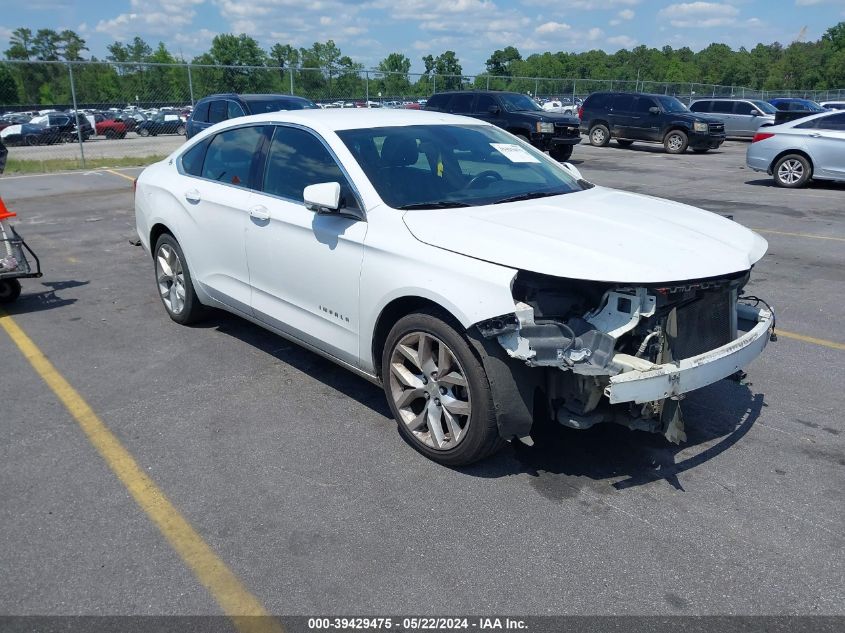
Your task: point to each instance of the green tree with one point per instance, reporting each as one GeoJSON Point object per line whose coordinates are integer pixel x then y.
{"type": "Point", "coordinates": [395, 83]}
{"type": "Point", "coordinates": [20, 44]}
{"type": "Point", "coordinates": [500, 61]}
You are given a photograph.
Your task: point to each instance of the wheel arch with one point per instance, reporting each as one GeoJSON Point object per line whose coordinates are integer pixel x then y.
{"type": "Point", "coordinates": [675, 127]}
{"type": "Point", "coordinates": [158, 229]}
{"type": "Point", "coordinates": [787, 152]}
{"type": "Point", "coordinates": [398, 308]}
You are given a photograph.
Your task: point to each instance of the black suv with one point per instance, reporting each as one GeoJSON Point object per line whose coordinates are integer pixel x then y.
{"type": "Point", "coordinates": [631, 116]}
{"type": "Point", "coordinates": [215, 108]}
{"type": "Point", "coordinates": [518, 114]}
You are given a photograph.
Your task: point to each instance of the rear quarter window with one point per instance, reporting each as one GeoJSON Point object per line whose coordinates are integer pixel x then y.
{"type": "Point", "coordinates": [597, 101]}
{"type": "Point", "coordinates": [192, 159]}
{"type": "Point", "coordinates": [201, 112]}
{"type": "Point", "coordinates": [437, 102]}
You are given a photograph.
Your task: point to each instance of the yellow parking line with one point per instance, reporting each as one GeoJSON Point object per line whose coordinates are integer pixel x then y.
{"type": "Point", "coordinates": [234, 599]}
{"type": "Point", "coordinates": [815, 237]}
{"type": "Point", "coordinates": [811, 339]}
{"type": "Point", "coordinates": [117, 173]}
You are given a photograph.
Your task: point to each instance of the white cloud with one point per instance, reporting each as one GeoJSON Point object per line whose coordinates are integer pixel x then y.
{"type": "Point", "coordinates": [699, 14]}
{"type": "Point", "coordinates": [623, 41]}
{"type": "Point", "coordinates": [552, 27]}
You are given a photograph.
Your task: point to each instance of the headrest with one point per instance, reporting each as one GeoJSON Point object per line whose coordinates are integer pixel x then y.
{"type": "Point", "coordinates": [399, 151]}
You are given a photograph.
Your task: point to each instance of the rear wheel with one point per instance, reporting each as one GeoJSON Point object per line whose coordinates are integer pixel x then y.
{"type": "Point", "coordinates": [561, 153]}
{"type": "Point", "coordinates": [438, 391]}
{"type": "Point", "coordinates": [10, 289]}
{"type": "Point", "coordinates": [624, 143]}
{"type": "Point", "coordinates": [110, 134]}
{"type": "Point", "coordinates": [175, 286]}
{"type": "Point", "coordinates": [676, 142]}
{"type": "Point", "coordinates": [180, 130]}
{"type": "Point", "coordinates": [31, 139]}
{"type": "Point", "coordinates": [599, 135]}
{"type": "Point", "coordinates": [143, 132]}
{"type": "Point", "coordinates": [792, 171]}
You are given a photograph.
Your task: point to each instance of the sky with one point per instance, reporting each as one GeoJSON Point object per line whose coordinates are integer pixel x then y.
{"type": "Point", "coordinates": [369, 30]}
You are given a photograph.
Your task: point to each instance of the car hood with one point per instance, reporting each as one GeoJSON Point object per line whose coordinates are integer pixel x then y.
{"type": "Point", "coordinates": [545, 115]}
{"type": "Point", "coordinates": [599, 235]}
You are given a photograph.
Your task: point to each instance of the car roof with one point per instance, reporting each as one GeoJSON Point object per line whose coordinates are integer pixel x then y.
{"type": "Point", "coordinates": [334, 119]}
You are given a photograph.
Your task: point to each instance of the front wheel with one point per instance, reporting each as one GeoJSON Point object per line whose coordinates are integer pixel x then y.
{"type": "Point", "coordinates": [438, 391]}
{"type": "Point", "coordinates": [175, 286]}
{"type": "Point", "coordinates": [143, 132]}
{"type": "Point", "coordinates": [676, 142]}
{"type": "Point", "coordinates": [10, 289]}
{"type": "Point", "coordinates": [599, 135]}
{"type": "Point", "coordinates": [561, 153]}
{"type": "Point", "coordinates": [180, 130]}
{"type": "Point", "coordinates": [792, 171]}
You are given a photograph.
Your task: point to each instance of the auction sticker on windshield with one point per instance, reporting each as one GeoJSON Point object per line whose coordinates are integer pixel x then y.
{"type": "Point", "coordinates": [514, 153]}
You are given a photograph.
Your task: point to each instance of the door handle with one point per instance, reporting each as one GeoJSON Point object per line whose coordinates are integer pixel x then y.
{"type": "Point", "coordinates": [259, 212]}
{"type": "Point", "coordinates": [193, 196]}
{"type": "Point", "coordinates": [815, 135]}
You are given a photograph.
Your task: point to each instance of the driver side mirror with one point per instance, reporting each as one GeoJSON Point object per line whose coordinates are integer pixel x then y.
{"type": "Point", "coordinates": [493, 109]}
{"type": "Point", "coordinates": [323, 197]}
{"type": "Point", "coordinates": [755, 113]}
{"type": "Point", "coordinates": [654, 110]}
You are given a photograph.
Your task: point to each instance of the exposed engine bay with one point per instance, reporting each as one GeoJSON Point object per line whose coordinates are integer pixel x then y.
{"type": "Point", "coordinates": [627, 354]}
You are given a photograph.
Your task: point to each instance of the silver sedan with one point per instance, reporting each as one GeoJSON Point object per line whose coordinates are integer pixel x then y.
{"type": "Point", "coordinates": [795, 152]}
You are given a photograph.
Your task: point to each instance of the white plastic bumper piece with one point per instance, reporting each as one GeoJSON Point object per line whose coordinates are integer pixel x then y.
{"type": "Point", "coordinates": [672, 379]}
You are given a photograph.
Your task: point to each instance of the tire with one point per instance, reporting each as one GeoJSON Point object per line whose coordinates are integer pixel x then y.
{"type": "Point", "coordinates": [561, 153]}
{"type": "Point", "coordinates": [701, 150]}
{"type": "Point", "coordinates": [121, 135]}
{"type": "Point", "coordinates": [599, 135]}
{"type": "Point", "coordinates": [624, 143]}
{"type": "Point", "coordinates": [30, 139]}
{"type": "Point", "coordinates": [676, 142]}
{"type": "Point", "coordinates": [143, 132]}
{"type": "Point", "coordinates": [414, 390]}
{"type": "Point", "coordinates": [171, 272]}
{"type": "Point", "coordinates": [10, 289]}
{"type": "Point", "coordinates": [180, 130]}
{"type": "Point", "coordinates": [110, 134]}
{"type": "Point", "coordinates": [792, 171]}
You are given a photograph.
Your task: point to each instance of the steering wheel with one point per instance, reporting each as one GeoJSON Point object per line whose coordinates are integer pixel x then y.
{"type": "Point", "coordinates": [487, 174]}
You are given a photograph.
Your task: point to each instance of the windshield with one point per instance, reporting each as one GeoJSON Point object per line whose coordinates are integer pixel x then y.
{"type": "Point", "coordinates": [671, 104]}
{"type": "Point", "coordinates": [519, 103]}
{"type": "Point", "coordinates": [441, 166]}
{"type": "Point", "coordinates": [765, 106]}
{"type": "Point", "coordinates": [259, 106]}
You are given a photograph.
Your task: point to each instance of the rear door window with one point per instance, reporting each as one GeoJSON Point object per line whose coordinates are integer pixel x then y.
{"type": "Point", "coordinates": [217, 111]}
{"type": "Point", "coordinates": [835, 122]}
{"type": "Point", "coordinates": [461, 103]}
{"type": "Point", "coordinates": [623, 103]}
{"type": "Point", "coordinates": [230, 154]}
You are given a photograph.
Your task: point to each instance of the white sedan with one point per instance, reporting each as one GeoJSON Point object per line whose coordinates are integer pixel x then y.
{"type": "Point", "coordinates": [481, 283]}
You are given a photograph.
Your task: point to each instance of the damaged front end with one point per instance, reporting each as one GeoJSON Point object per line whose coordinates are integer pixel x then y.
{"type": "Point", "coordinates": [627, 354]}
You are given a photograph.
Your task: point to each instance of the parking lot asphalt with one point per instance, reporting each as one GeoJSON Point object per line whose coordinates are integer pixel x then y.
{"type": "Point", "coordinates": [292, 471]}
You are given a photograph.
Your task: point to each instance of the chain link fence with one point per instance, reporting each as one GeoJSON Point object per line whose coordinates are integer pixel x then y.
{"type": "Point", "coordinates": [115, 100]}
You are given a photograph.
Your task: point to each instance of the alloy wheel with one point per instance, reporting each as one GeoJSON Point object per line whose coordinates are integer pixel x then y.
{"type": "Point", "coordinates": [791, 171]}
{"type": "Point", "coordinates": [429, 388]}
{"type": "Point", "coordinates": [170, 277]}
{"type": "Point", "coordinates": [675, 143]}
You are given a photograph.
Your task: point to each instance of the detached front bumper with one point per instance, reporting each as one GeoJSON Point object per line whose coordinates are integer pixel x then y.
{"type": "Point", "coordinates": [656, 382]}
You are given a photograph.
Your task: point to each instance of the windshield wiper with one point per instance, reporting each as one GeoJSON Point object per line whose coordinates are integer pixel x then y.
{"type": "Point", "coordinates": [531, 195]}
{"type": "Point", "coordinates": [442, 204]}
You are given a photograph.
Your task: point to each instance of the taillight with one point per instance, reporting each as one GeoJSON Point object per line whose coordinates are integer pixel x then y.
{"type": "Point", "coordinates": [761, 136]}
{"type": "Point", "coordinates": [581, 112]}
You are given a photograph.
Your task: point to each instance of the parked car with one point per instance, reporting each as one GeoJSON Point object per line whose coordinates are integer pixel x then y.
{"type": "Point", "coordinates": [793, 153]}
{"type": "Point", "coordinates": [564, 106]}
{"type": "Point", "coordinates": [28, 134]}
{"type": "Point", "coordinates": [630, 116]}
{"type": "Point", "coordinates": [475, 278]}
{"type": "Point", "coordinates": [161, 124]}
{"type": "Point", "coordinates": [110, 128]}
{"type": "Point", "coordinates": [62, 127]}
{"type": "Point", "coordinates": [517, 113]}
{"type": "Point", "coordinates": [791, 108]}
{"type": "Point", "coordinates": [221, 107]}
{"type": "Point", "coordinates": [742, 117]}
{"type": "Point", "coordinates": [833, 105]}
